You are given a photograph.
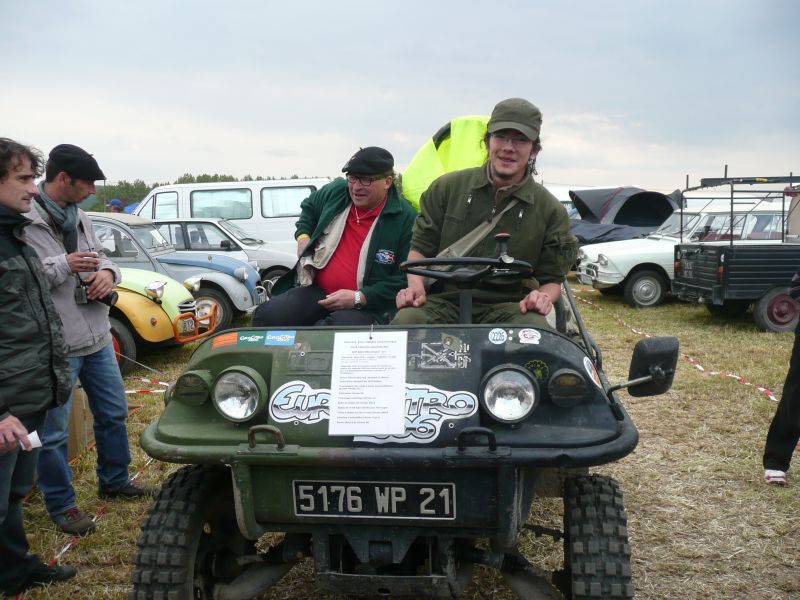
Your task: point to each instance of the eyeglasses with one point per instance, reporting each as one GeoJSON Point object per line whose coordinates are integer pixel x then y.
{"type": "Point", "coordinates": [516, 141]}
{"type": "Point", "coordinates": [364, 179]}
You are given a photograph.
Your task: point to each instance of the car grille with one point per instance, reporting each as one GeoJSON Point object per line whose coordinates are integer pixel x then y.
{"type": "Point", "coordinates": [591, 271]}
{"type": "Point", "coordinates": [190, 306]}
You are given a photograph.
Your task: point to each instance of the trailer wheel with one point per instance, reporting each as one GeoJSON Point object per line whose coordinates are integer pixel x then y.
{"type": "Point", "coordinates": [645, 288]}
{"type": "Point", "coordinates": [189, 539]}
{"type": "Point", "coordinates": [597, 556]}
{"type": "Point", "coordinates": [776, 311]}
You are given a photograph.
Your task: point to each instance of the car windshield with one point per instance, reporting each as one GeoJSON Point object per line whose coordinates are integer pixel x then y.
{"type": "Point", "coordinates": [150, 237]}
{"type": "Point", "coordinates": [238, 232]}
{"type": "Point", "coordinates": [672, 226]}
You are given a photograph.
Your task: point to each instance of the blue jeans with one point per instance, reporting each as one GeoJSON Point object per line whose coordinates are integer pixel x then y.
{"type": "Point", "coordinates": [16, 479]}
{"type": "Point", "coordinates": [102, 382]}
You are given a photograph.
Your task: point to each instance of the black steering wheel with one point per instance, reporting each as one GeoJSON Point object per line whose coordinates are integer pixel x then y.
{"type": "Point", "coordinates": [461, 271]}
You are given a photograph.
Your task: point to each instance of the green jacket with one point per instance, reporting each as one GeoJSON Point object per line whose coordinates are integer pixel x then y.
{"type": "Point", "coordinates": [34, 371]}
{"type": "Point", "coordinates": [388, 246]}
{"type": "Point", "coordinates": [457, 202]}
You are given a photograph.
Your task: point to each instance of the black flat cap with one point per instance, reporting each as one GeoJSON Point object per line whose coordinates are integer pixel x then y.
{"type": "Point", "coordinates": [76, 162]}
{"type": "Point", "coordinates": [370, 161]}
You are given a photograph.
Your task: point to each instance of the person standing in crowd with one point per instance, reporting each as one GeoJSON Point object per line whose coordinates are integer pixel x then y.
{"type": "Point", "coordinates": [81, 279]}
{"type": "Point", "coordinates": [457, 203]}
{"type": "Point", "coordinates": [34, 372]}
{"type": "Point", "coordinates": [115, 205]}
{"type": "Point", "coordinates": [352, 236]}
{"type": "Point", "coordinates": [784, 430]}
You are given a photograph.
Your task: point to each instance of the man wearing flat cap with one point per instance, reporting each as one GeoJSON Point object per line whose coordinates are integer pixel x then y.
{"type": "Point", "coordinates": [81, 278]}
{"type": "Point", "coordinates": [352, 236]}
{"type": "Point", "coordinates": [457, 203]}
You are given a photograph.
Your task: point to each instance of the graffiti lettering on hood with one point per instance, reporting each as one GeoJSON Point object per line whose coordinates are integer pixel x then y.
{"type": "Point", "coordinates": [427, 409]}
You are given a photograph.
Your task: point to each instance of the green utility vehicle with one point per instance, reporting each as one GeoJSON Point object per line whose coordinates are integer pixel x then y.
{"type": "Point", "coordinates": [395, 458]}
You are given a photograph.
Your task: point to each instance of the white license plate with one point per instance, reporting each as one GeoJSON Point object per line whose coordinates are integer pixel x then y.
{"type": "Point", "coordinates": [186, 326]}
{"type": "Point", "coordinates": [375, 499]}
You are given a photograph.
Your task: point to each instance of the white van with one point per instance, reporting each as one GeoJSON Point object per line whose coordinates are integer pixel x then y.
{"type": "Point", "coordinates": [267, 210]}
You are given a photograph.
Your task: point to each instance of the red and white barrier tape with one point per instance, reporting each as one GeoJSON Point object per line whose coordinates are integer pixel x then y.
{"type": "Point", "coordinates": [692, 360]}
{"type": "Point", "coordinates": [150, 390]}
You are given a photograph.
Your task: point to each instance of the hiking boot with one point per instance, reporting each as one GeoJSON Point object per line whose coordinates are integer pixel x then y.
{"type": "Point", "coordinates": [43, 575]}
{"type": "Point", "coordinates": [74, 522]}
{"type": "Point", "coordinates": [774, 477]}
{"type": "Point", "coordinates": [129, 491]}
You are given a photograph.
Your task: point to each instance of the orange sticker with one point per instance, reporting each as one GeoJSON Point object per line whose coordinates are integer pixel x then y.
{"type": "Point", "coordinates": [226, 339]}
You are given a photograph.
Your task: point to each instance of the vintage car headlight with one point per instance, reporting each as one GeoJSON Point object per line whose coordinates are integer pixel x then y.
{"type": "Point", "coordinates": [192, 388]}
{"type": "Point", "coordinates": [240, 273]}
{"type": "Point", "coordinates": [239, 393]}
{"type": "Point", "coordinates": [567, 388]}
{"type": "Point", "coordinates": [155, 289]}
{"type": "Point", "coordinates": [602, 260]}
{"type": "Point", "coordinates": [192, 283]}
{"type": "Point", "coordinates": [509, 393]}
{"type": "Point", "coordinates": [581, 256]}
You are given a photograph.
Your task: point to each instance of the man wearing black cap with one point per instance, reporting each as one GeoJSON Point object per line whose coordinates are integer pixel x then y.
{"type": "Point", "coordinates": [81, 278]}
{"type": "Point", "coordinates": [352, 236]}
{"type": "Point", "coordinates": [457, 203]}
{"type": "Point", "coordinates": [35, 373]}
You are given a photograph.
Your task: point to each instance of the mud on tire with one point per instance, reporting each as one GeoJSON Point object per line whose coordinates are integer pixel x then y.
{"type": "Point", "coordinates": [597, 555]}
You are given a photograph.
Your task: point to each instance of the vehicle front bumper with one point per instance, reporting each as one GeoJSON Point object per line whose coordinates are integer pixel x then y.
{"type": "Point", "coordinates": [593, 274]}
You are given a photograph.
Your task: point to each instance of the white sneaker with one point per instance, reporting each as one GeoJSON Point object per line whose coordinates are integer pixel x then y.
{"type": "Point", "coordinates": [774, 477]}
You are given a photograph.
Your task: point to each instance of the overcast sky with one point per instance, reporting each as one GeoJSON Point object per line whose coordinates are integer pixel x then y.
{"type": "Point", "coordinates": [633, 93]}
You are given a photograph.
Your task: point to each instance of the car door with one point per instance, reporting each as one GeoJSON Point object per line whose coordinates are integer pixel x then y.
{"type": "Point", "coordinates": [122, 248]}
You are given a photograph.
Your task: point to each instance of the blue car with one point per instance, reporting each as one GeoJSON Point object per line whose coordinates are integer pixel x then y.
{"type": "Point", "coordinates": [230, 285]}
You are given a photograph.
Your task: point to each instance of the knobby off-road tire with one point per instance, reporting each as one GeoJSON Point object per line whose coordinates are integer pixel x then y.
{"type": "Point", "coordinates": [189, 538]}
{"type": "Point", "coordinates": [597, 556]}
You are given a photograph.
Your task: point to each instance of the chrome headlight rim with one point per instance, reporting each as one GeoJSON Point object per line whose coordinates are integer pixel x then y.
{"type": "Point", "coordinates": [192, 283]}
{"type": "Point", "coordinates": [250, 383]}
{"type": "Point", "coordinates": [602, 260]}
{"type": "Point", "coordinates": [240, 273]}
{"type": "Point", "coordinates": [155, 289]}
{"type": "Point", "coordinates": [525, 376]}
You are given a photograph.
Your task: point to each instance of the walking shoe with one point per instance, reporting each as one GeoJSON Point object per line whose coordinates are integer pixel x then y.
{"type": "Point", "coordinates": [43, 575]}
{"type": "Point", "coordinates": [74, 522]}
{"type": "Point", "coordinates": [774, 477]}
{"type": "Point", "coordinates": [130, 490]}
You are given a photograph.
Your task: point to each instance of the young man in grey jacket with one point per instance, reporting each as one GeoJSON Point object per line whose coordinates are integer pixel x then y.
{"type": "Point", "coordinates": [81, 280]}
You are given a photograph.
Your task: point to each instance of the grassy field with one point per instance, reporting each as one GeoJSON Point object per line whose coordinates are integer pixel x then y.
{"type": "Point", "coordinates": [702, 524]}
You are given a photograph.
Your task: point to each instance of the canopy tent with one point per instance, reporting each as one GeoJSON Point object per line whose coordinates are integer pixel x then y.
{"type": "Point", "coordinates": [632, 206]}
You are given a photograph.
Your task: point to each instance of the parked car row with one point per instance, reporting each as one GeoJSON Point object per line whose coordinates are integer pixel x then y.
{"type": "Point", "coordinates": [746, 224]}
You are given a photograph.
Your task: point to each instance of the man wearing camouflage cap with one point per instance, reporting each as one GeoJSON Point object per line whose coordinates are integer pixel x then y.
{"type": "Point", "coordinates": [457, 203]}
{"type": "Point", "coordinates": [351, 237]}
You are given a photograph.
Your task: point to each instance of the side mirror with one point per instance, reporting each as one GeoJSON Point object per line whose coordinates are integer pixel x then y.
{"type": "Point", "coordinates": [225, 244]}
{"type": "Point", "coordinates": [653, 363]}
{"type": "Point", "coordinates": [652, 367]}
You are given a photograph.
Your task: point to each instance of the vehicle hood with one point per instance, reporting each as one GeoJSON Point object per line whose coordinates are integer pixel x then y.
{"type": "Point", "coordinates": [135, 280]}
{"type": "Point", "coordinates": [207, 262]}
{"type": "Point", "coordinates": [628, 247]}
{"type": "Point", "coordinates": [270, 255]}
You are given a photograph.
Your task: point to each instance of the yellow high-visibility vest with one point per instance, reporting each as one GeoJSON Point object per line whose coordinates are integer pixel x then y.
{"type": "Point", "coordinates": [457, 145]}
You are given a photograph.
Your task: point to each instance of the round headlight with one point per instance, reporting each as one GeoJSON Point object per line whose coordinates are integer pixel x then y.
{"type": "Point", "coordinates": [602, 260]}
{"type": "Point", "coordinates": [155, 289]}
{"type": "Point", "coordinates": [236, 396]}
{"type": "Point", "coordinates": [240, 273]}
{"type": "Point", "coordinates": [192, 283]}
{"type": "Point", "coordinates": [509, 393]}
{"type": "Point", "coordinates": [581, 255]}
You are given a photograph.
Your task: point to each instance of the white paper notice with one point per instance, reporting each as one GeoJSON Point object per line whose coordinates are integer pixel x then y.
{"type": "Point", "coordinates": [368, 383]}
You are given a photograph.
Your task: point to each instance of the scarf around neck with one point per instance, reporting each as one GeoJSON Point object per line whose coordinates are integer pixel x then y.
{"type": "Point", "coordinates": [65, 219]}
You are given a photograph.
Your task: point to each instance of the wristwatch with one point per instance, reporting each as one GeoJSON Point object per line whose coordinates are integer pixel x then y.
{"type": "Point", "coordinates": [357, 300]}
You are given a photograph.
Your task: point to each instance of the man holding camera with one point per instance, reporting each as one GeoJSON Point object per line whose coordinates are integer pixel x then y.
{"type": "Point", "coordinates": [81, 281]}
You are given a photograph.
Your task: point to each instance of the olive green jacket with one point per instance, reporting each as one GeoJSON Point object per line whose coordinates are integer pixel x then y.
{"type": "Point", "coordinates": [34, 371]}
{"type": "Point", "coordinates": [457, 202]}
